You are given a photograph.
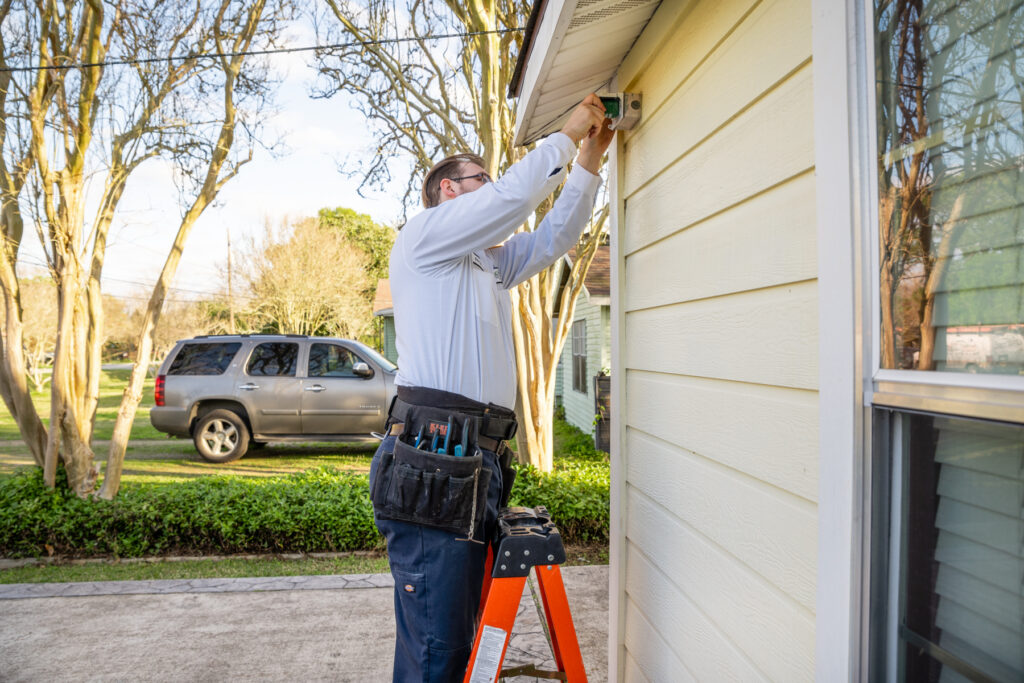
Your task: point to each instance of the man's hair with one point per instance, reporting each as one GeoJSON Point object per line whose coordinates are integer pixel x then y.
{"type": "Point", "coordinates": [449, 167]}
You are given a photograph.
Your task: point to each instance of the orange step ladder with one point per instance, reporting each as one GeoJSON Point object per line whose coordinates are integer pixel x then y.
{"type": "Point", "coordinates": [526, 540]}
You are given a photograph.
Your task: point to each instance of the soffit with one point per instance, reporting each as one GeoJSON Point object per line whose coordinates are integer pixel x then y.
{"type": "Point", "coordinates": [574, 48]}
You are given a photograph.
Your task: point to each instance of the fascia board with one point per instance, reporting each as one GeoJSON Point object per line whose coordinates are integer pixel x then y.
{"type": "Point", "coordinates": [546, 44]}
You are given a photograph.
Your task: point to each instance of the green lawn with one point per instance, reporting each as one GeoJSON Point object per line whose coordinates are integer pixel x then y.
{"type": "Point", "coordinates": [112, 383]}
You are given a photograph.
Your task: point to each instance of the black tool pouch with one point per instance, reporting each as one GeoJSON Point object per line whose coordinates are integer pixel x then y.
{"type": "Point", "coordinates": [442, 491]}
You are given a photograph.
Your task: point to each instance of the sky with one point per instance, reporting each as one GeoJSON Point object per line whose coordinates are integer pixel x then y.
{"type": "Point", "coordinates": [320, 135]}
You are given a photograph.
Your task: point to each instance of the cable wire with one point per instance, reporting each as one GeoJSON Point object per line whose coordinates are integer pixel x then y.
{"type": "Point", "coordinates": [247, 53]}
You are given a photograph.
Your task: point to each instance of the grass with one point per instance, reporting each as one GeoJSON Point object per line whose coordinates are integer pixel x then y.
{"type": "Point", "coordinates": [350, 563]}
{"type": "Point", "coordinates": [112, 383]}
{"type": "Point", "coordinates": [363, 563]}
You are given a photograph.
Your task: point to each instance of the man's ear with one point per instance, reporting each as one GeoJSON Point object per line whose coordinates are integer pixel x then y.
{"type": "Point", "coordinates": [447, 188]}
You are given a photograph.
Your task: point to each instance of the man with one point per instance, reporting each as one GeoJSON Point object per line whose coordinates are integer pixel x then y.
{"type": "Point", "coordinates": [457, 378]}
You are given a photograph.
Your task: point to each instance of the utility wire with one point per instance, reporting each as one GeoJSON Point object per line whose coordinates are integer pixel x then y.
{"type": "Point", "coordinates": [147, 285]}
{"type": "Point", "coordinates": [246, 53]}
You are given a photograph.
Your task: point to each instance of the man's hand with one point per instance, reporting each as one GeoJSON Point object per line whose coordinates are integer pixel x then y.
{"type": "Point", "coordinates": [594, 147]}
{"type": "Point", "coordinates": [585, 119]}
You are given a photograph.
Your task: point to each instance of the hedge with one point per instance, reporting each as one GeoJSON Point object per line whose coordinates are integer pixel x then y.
{"type": "Point", "coordinates": [319, 510]}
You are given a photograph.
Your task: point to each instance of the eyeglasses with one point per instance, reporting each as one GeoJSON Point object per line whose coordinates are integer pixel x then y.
{"type": "Point", "coordinates": [483, 177]}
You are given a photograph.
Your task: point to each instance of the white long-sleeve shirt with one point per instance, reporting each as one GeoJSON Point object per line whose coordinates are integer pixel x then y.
{"type": "Point", "coordinates": [449, 284]}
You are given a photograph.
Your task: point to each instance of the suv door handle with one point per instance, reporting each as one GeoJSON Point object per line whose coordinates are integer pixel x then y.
{"type": "Point", "coordinates": [249, 387]}
{"type": "Point", "coordinates": [316, 387]}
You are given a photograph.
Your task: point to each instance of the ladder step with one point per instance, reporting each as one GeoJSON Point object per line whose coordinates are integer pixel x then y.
{"type": "Point", "coordinates": [527, 539]}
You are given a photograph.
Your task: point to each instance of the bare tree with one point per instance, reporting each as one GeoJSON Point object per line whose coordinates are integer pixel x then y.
{"type": "Point", "coordinates": [432, 97]}
{"type": "Point", "coordinates": [67, 125]}
{"type": "Point", "coordinates": [233, 28]}
{"type": "Point", "coordinates": [310, 280]}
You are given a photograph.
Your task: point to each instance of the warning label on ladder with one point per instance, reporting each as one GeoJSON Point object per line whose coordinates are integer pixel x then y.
{"type": "Point", "coordinates": [488, 655]}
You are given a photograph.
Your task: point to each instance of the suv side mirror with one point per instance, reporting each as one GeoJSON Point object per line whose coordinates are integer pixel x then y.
{"type": "Point", "coordinates": [362, 370]}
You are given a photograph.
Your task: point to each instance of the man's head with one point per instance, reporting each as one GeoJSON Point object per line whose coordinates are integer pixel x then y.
{"type": "Point", "coordinates": [453, 176]}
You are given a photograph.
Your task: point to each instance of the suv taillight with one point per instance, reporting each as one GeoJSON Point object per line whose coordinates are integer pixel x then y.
{"type": "Point", "coordinates": [158, 389]}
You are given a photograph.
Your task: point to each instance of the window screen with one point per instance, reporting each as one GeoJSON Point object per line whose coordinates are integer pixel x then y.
{"type": "Point", "coordinates": [274, 359]}
{"type": "Point", "coordinates": [951, 196]}
{"type": "Point", "coordinates": [203, 358]}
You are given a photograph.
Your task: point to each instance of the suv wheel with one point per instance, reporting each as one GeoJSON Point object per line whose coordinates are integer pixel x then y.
{"type": "Point", "coordinates": [221, 436]}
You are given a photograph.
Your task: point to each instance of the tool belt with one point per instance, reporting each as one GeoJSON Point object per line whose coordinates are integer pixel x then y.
{"type": "Point", "coordinates": [435, 474]}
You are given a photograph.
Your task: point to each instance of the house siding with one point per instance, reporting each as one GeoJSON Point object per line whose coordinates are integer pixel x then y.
{"type": "Point", "coordinates": [718, 426]}
{"type": "Point", "coordinates": [388, 335]}
{"type": "Point", "coordinates": [579, 407]}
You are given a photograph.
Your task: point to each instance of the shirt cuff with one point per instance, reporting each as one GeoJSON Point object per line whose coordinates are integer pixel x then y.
{"type": "Point", "coordinates": [583, 179]}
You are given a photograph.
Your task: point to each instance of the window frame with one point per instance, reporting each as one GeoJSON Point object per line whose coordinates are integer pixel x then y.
{"type": "Point", "coordinates": [854, 484]}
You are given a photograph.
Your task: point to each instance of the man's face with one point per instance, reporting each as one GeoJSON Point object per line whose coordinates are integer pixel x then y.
{"type": "Point", "coordinates": [471, 178]}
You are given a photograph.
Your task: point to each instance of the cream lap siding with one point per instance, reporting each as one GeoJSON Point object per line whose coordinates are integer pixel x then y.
{"type": "Point", "coordinates": [719, 422]}
{"type": "Point", "coordinates": [579, 407]}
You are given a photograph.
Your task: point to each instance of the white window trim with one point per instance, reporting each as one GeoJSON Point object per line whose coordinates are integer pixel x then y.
{"type": "Point", "coordinates": [843, 164]}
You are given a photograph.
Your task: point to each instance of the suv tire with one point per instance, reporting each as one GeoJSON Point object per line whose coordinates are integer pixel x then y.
{"type": "Point", "coordinates": [221, 436]}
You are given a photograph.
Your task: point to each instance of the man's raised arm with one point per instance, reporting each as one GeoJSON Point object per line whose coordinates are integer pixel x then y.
{"type": "Point", "coordinates": [487, 216]}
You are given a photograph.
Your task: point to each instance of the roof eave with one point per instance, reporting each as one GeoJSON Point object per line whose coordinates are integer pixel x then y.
{"type": "Point", "coordinates": [549, 31]}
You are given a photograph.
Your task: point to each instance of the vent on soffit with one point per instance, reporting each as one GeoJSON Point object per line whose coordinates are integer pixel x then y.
{"type": "Point", "coordinates": [602, 13]}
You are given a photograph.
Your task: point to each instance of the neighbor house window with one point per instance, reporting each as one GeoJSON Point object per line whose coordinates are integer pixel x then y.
{"type": "Point", "coordinates": [947, 472]}
{"type": "Point", "coordinates": [579, 356]}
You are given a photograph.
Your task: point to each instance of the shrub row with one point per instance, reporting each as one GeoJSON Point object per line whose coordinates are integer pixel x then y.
{"type": "Point", "coordinates": [319, 510]}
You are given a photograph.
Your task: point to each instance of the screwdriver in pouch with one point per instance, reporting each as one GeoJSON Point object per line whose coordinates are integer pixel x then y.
{"type": "Point", "coordinates": [447, 436]}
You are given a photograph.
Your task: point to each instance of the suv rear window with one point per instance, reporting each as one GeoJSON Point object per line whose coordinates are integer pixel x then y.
{"type": "Point", "coordinates": [204, 359]}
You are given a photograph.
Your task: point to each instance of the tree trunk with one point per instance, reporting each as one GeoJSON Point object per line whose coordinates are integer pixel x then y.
{"type": "Point", "coordinates": [211, 186]}
{"type": "Point", "coordinates": [936, 272]}
{"type": "Point", "coordinates": [537, 347]}
{"type": "Point", "coordinates": [13, 380]}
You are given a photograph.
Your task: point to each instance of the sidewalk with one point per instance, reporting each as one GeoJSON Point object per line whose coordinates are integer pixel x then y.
{"type": "Point", "coordinates": [311, 628]}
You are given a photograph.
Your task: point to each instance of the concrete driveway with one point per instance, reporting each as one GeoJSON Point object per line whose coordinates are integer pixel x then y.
{"type": "Point", "coordinates": [337, 628]}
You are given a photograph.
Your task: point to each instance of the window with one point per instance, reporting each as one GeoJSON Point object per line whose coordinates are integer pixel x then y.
{"type": "Point", "coordinates": [203, 358]}
{"type": "Point", "coordinates": [579, 356]}
{"type": "Point", "coordinates": [331, 360]}
{"type": "Point", "coordinates": [946, 568]}
{"type": "Point", "coordinates": [955, 551]}
{"type": "Point", "coordinates": [273, 359]}
{"type": "Point", "coordinates": [951, 206]}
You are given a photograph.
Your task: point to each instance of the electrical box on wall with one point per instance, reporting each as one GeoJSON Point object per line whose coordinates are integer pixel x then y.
{"type": "Point", "coordinates": [623, 108]}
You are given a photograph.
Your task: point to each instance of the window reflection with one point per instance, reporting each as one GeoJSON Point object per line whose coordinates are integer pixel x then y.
{"type": "Point", "coordinates": [951, 158]}
{"type": "Point", "coordinates": [273, 358]}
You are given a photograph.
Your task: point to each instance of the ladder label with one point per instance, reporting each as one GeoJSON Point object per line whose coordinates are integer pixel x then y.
{"type": "Point", "coordinates": [488, 655]}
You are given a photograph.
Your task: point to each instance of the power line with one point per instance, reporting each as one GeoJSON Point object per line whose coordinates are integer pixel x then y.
{"type": "Point", "coordinates": [247, 53]}
{"type": "Point", "coordinates": [147, 285]}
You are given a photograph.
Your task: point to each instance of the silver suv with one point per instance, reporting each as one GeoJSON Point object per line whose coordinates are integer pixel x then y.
{"type": "Point", "coordinates": [227, 392]}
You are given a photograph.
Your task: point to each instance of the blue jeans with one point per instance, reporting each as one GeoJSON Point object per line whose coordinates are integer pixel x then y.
{"type": "Point", "coordinates": [438, 576]}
